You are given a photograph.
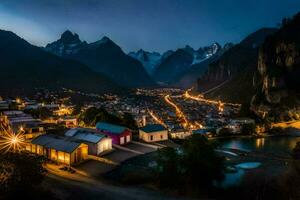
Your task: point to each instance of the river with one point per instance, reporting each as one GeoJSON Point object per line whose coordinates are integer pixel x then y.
{"type": "Point", "coordinates": [276, 145]}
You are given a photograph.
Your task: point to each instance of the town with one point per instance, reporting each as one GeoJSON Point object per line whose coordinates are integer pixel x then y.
{"type": "Point", "coordinates": [50, 124]}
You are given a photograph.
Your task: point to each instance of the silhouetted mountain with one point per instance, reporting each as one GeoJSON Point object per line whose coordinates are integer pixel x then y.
{"type": "Point", "coordinates": [190, 77]}
{"type": "Point", "coordinates": [237, 66]}
{"type": "Point", "coordinates": [25, 67]}
{"type": "Point", "coordinates": [175, 64]}
{"type": "Point", "coordinates": [278, 82]}
{"type": "Point", "coordinates": [102, 56]}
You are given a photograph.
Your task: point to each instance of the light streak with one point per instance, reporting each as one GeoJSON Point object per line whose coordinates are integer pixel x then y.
{"type": "Point", "coordinates": [201, 98]}
{"type": "Point", "coordinates": [12, 142]}
{"type": "Point", "coordinates": [185, 123]}
{"type": "Point", "coordinates": [156, 118]}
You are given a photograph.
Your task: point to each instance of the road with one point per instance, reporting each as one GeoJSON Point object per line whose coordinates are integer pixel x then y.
{"type": "Point", "coordinates": [78, 186]}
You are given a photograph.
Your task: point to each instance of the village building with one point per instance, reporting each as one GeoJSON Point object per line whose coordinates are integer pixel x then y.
{"type": "Point", "coordinates": [179, 133]}
{"type": "Point", "coordinates": [18, 121]}
{"type": "Point", "coordinates": [98, 143]}
{"type": "Point", "coordinates": [68, 121]}
{"type": "Point", "coordinates": [4, 105]}
{"type": "Point", "coordinates": [59, 149]}
{"type": "Point", "coordinates": [153, 133]}
{"type": "Point", "coordinates": [120, 135]}
{"type": "Point", "coordinates": [236, 125]}
{"type": "Point", "coordinates": [208, 132]}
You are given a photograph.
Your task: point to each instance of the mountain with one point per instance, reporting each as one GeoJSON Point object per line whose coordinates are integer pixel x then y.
{"type": "Point", "coordinates": [278, 84]}
{"type": "Point", "coordinates": [25, 67]}
{"type": "Point", "coordinates": [190, 77]}
{"type": "Point", "coordinates": [149, 59]}
{"type": "Point", "coordinates": [175, 64]}
{"type": "Point", "coordinates": [102, 56]}
{"type": "Point", "coordinates": [67, 45]}
{"type": "Point", "coordinates": [235, 69]}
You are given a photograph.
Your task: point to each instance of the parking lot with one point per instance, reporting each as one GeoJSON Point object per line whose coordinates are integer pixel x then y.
{"type": "Point", "coordinates": [96, 168]}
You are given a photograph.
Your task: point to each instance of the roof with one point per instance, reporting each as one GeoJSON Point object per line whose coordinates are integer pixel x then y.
{"type": "Point", "coordinates": [201, 131]}
{"type": "Point", "coordinates": [153, 128]}
{"type": "Point", "coordinates": [103, 126]}
{"type": "Point", "coordinates": [57, 143]}
{"type": "Point", "coordinates": [85, 135]}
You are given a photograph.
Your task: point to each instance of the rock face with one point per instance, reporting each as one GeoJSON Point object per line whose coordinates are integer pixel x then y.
{"type": "Point", "coordinates": [236, 59]}
{"type": "Point", "coordinates": [25, 67]}
{"type": "Point", "coordinates": [237, 67]}
{"type": "Point", "coordinates": [102, 56]}
{"type": "Point", "coordinates": [279, 68]}
{"type": "Point", "coordinates": [67, 45]}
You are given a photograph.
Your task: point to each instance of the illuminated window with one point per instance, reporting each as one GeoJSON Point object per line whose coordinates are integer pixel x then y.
{"type": "Point", "coordinates": [53, 154]}
{"type": "Point", "coordinates": [61, 156]}
{"type": "Point", "coordinates": [33, 148]}
{"type": "Point", "coordinates": [84, 151]}
{"type": "Point", "coordinates": [67, 158]}
{"type": "Point", "coordinates": [39, 150]}
{"type": "Point", "coordinates": [28, 147]}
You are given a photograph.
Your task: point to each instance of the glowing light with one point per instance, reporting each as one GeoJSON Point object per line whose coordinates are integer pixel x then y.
{"type": "Point", "coordinates": [156, 118]}
{"type": "Point", "coordinates": [201, 98]}
{"type": "Point", "coordinates": [179, 113]}
{"type": "Point", "coordinates": [18, 100]}
{"type": "Point", "coordinates": [12, 142]}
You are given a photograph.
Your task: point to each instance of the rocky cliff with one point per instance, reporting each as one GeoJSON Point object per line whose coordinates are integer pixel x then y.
{"type": "Point", "coordinates": [278, 81]}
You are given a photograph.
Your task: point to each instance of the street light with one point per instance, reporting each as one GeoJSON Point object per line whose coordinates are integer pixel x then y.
{"type": "Point", "coordinates": [12, 142]}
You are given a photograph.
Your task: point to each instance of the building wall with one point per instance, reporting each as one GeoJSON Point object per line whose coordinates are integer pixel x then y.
{"type": "Point", "coordinates": [104, 145]}
{"type": "Point", "coordinates": [180, 135]}
{"type": "Point", "coordinates": [116, 138]}
{"type": "Point", "coordinates": [80, 154]}
{"type": "Point", "coordinates": [154, 136]}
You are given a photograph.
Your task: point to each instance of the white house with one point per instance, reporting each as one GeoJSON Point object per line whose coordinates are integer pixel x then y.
{"type": "Point", "coordinates": [153, 133]}
{"type": "Point", "coordinates": [98, 143]}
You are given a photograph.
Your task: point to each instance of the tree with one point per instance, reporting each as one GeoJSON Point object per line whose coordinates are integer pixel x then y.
{"type": "Point", "coordinates": [42, 113]}
{"type": "Point", "coordinates": [93, 115]}
{"type": "Point", "coordinates": [129, 121]}
{"type": "Point", "coordinates": [248, 128]}
{"type": "Point", "coordinates": [195, 166]}
{"type": "Point", "coordinates": [296, 151]}
{"type": "Point", "coordinates": [20, 173]}
{"type": "Point", "coordinates": [202, 164]}
{"type": "Point", "coordinates": [168, 167]}
{"type": "Point", "coordinates": [77, 109]}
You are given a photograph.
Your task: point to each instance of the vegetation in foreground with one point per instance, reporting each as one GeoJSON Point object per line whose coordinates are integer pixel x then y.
{"type": "Point", "coordinates": [189, 170]}
{"type": "Point", "coordinates": [21, 175]}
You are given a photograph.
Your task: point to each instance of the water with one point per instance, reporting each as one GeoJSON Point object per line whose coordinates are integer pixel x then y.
{"type": "Point", "coordinates": [248, 165]}
{"type": "Point", "coordinates": [274, 145]}
{"type": "Point", "coordinates": [277, 145]}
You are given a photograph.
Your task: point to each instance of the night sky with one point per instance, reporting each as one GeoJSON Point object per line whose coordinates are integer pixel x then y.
{"type": "Point", "coordinates": [154, 25]}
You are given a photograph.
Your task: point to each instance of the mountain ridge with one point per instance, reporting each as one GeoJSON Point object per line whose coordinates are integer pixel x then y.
{"type": "Point", "coordinates": [43, 69]}
{"type": "Point", "coordinates": [106, 57]}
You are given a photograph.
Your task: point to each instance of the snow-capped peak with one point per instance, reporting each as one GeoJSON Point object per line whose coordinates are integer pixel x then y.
{"type": "Point", "coordinates": [149, 59]}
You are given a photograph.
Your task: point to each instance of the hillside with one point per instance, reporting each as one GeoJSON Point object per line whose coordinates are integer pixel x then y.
{"type": "Point", "coordinates": [25, 67]}
{"type": "Point", "coordinates": [278, 80]}
{"type": "Point", "coordinates": [102, 56]}
{"type": "Point", "coordinates": [238, 67]}
{"type": "Point", "coordinates": [174, 65]}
